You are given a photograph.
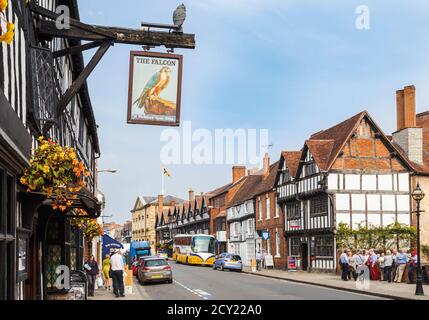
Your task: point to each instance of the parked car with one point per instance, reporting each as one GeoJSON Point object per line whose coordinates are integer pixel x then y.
{"type": "Point", "coordinates": [154, 269]}
{"type": "Point", "coordinates": [228, 261]}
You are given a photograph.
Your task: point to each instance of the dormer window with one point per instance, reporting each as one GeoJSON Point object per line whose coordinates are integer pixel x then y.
{"type": "Point", "coordinates": [310, 168]}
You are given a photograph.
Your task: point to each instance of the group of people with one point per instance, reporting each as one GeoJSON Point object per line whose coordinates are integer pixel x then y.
{"type": "Point", "coordinates": [113, 269]}
{"type": "Point", "coordinates": [385, 266]}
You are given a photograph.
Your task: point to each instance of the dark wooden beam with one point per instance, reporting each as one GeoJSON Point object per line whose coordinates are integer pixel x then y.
{"type": "Point", "coordinates": [80, 80]}
{"type": "Point", "coordinates": [73, 22]}
{"type": "Point", "coordinates": [47, 29]}
{"type": "Point", "coordinates": [76, 49]}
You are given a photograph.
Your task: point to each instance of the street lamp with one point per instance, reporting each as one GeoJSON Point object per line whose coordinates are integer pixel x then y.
{"type": "Point", "coordinates": [418, 195]}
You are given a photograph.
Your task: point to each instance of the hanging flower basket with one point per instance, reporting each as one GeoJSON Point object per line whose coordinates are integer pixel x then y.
{"type": "Point", "coordinates": [89, 226]}
{"type": "Point", "coordinates": [55, 172]}
{"type": "Point", "coordinates": [8, 35]}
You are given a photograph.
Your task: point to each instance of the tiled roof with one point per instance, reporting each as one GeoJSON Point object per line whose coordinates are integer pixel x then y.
{"type": "Point", "coordinates": [267, 183]}
{"type": "Point", "coordinates": [321, 150]}
{"type": "Point", "coordinates": [247, 190]}
{"type": "Point", "coordinates": [292, 161]}
{"type": "Point", "coordinates": [328, 143]}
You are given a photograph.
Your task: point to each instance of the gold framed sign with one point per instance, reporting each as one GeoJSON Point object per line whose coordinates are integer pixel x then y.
{"type": "Point", "coordinates": [154, 89]}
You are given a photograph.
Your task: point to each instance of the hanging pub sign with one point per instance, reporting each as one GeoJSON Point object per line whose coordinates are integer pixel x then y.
{"type": "Point", "coordinates": [155, 86]}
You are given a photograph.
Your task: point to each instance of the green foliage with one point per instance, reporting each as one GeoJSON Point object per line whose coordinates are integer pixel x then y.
{"type": "Point", "coordinates": [379, 238]}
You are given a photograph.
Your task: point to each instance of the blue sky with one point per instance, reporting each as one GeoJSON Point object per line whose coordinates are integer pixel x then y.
{"type": "Point", "coordinates": [293, 67]}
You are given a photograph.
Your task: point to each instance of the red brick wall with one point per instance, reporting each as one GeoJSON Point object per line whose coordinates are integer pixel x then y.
{"type": "Point", "coordinates": [271, 225]}
{"type": "Point", "coordinates": [366, 152]}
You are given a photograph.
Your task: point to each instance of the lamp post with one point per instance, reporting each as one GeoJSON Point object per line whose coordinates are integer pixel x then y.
{"type": "Point", "coordinates": [418, 195]}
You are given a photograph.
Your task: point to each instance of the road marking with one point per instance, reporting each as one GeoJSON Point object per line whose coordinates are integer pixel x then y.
{"type": "Point", "coordinates": [192, 291]}
{"type": "Point", "coordinates": [203, 293]}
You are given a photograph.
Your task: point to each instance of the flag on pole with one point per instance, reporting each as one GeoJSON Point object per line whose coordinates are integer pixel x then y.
{"type": "Point", "coordinates": [166, 173]}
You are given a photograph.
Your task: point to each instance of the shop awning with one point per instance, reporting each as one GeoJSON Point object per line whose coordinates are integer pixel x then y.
{"type": "Point", "coordinates": [109, 244]}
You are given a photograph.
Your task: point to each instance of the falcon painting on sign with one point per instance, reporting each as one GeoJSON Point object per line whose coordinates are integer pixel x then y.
{"type": "Point", "coordinates": [154, 88]}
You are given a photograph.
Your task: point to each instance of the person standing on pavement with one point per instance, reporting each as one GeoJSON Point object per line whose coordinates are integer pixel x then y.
{"type": "Point", "coordinates": [381, 265]}
{"type": "Point", "coordinates": [373, 260]}
{"type": "Point", "coordinates": [258, 260]}
{"type": "Point", "coordinates": [413, 262]}
{"type": "Point", "coordinates": [394, 264]}
{"type": "Point", "coordinates": [117, 274]}
{"type": "Point", "coordinates": [344, 259]}
{"type": "Point", "coordinates": [351, 265]}
{"type": "Point", "coordinates": [91, 268]}
{"type": "Point", "coordinates": [358, 262]}
{"type": "Point", "coordinates": [388, 263]}
{"type": "Point", "coordinates": [401, 261]}
{"type": "Point", "coordinates": [106, 269]}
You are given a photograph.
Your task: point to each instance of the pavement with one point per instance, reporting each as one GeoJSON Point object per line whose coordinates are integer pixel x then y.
{"type": "Point", "coordinates": [103, 294]}
{"type": "Point", "coordinates": [328, 280]}
{"type": "Point", "coordinates": [204, 283]}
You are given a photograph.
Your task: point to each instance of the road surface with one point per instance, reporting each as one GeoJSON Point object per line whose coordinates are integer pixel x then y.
{"type": "Point", "coordinates": [197, 283]}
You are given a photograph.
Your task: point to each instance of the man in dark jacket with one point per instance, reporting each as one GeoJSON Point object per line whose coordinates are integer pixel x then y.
{"type": "Point", "coordinates": [91, 267]}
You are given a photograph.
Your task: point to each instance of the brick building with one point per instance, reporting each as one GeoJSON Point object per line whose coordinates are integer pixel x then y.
{"type": "Point", "coordinates": [350, 173]}
{"type": "Point", "coordinates": [269, 216]}
{"type": "Point", "coordinates": [412, 139]}
{"type": "Point", "coordinates": [218, 202]}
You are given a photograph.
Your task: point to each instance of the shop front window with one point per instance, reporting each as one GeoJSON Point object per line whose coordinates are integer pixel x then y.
{"type": "Point", "coordinates": [7, 235]}
{"type": "Point", "coordinates": [295, 246]}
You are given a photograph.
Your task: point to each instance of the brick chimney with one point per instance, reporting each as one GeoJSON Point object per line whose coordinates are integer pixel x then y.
{"type": "Point", "coordinates": [238, 172]}
{"type": "Point", "coordinates": [160, 203]}
{"type": "Point", "coordinates": [266, 167]}
{"type": "Point", "coordinates": [191, 194]}
{"type": "Point", "coordinates": [408, 136]}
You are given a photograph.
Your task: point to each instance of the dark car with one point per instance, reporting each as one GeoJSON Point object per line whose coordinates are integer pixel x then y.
{"type": "Point", "coordinates": [228, 261]}
{"type": "Point", "coordinates": [154, 269]}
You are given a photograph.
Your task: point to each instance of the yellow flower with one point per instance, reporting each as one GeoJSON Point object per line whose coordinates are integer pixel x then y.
{"type": "Point", "coordinates": [45, 168]}
{"type": "Point", "coordinates": [9, 34]}
{"type": "Point", "coordinates": [3, 5]}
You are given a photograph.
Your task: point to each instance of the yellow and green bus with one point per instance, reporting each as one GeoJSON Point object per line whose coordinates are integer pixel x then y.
{"type": "Point", "coordinates": [194, 249]}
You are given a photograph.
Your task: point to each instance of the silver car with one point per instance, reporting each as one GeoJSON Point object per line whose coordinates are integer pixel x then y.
{"type": "Point", "coordinates": [155, 270]}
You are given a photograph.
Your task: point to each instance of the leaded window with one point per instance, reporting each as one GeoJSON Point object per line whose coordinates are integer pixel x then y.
{"type": "Point", "coordinates": [295, 244]}
{"type": "Point", "coordinates": [319, 206]}
{"type": "Point", "coordinates": [293, 210]}
{"type": "Point", "coordinates": [323, 246]}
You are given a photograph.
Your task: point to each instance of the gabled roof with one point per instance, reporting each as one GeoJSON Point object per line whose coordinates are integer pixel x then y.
{"type": "Point", "coordinates": [246, 191]}
{"type": "Point", "coordinates": [223, 189]}
{"type": "Point", "coordinates": [292, 161]}
{"type": "Point", "coordinates": [327, 144]}
{"type": "Point", "coordinates": [321, 150]}
{"type": "Point", "coordinates": [267, 183]}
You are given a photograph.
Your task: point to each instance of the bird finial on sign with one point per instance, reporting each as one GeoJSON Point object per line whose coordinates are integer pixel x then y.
{"type": "Point", "coordinates": [179, 16]}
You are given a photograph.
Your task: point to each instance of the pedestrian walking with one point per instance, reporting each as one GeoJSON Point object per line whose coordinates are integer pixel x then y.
{"type": "Point", "coordinates": [91, 268]}
{"type": "Point", "coordinates": [117, 274]}
{"type": "Point", "coordinates": [106, 269]}
{"type": "Point", "coordinates": [258, 260]}
{"type": "Point", "coordinates": [401, 261]}
{"type": "Point", "coordinates": [344, 260]}
{"type": "Point", "coordinates": [388, 264]}
{"type": "Point", "coordinates": [412, 266]}
{"type": "Point", "coordinates": [381, 265]}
